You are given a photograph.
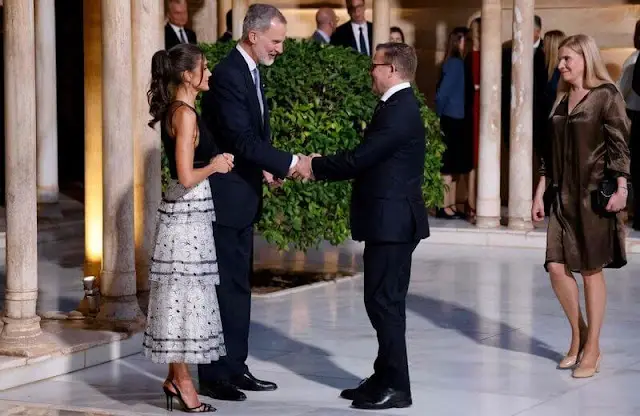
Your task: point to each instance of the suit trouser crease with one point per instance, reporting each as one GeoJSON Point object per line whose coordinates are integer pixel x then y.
{"type": "Point", "coordinates": [234, 249]}
{"type": "Point", "coordinates": [387, 271]}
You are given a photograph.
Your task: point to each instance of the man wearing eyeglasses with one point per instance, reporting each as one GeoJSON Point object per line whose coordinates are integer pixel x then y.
{"type": "Point", "coordinates": [356, 33]}
{"type": "Point", "coordinates": [388, 213]}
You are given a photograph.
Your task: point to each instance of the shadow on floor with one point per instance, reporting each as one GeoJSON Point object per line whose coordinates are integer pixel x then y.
{"type": "Point", "coordinates": [475, 327]}
{"type": "Point", "coordinates": [338, 378]}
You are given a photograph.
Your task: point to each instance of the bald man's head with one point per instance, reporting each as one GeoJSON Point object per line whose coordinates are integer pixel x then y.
{"type": "Point", "coordinates": [326, 20]}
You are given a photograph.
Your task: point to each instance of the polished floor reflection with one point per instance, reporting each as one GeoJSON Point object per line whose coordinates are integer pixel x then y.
{"type": "Point", "coordinates": [484, 335]}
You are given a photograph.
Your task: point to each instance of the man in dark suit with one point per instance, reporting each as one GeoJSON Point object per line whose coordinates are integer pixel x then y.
{"type": "Point", "coordinates": [357, 33]}
{"type": "Point", "coordinates": [539, 85]}
{"type": "Point", "coordinates": [387, 213]}
{"type": "Point", "coordinates": [326, 22]}
{"type": "Point", "coordinates": [227, 36]}
{"type": "Point", "coordinates": [235, 109]}
{"type": "Point", "coordinates": [175, 31]}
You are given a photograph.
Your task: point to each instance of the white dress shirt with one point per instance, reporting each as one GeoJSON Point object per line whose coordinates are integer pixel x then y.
{"type": "Point", "coordinates": [177, 29]}
{"type": "Point", "coordinates": [365, 31]}
{"type": "Point", "coordinates": [326, 37]}
{"type": "Point", "coordinates": [252, 66]}
{"type": "Point", "coordinates": [395, 89]}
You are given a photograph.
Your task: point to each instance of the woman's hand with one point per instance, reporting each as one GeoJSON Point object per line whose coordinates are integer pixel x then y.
{"type": "Point", "coordinates": [537, 210]}
{"type": "Point", "coordinates": [618, 200]}
{"type": "Point", "coordinates": [222, 163]}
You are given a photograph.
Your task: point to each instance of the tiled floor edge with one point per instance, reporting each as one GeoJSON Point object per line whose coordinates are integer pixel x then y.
{"type": "Point", "coordinates": [303, 288]}
{"type": "Point", "coordinates": [56, 365]}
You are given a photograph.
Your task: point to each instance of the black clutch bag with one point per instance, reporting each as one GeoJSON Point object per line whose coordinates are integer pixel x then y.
{"type": "Point", "coordinates": [606, 188]}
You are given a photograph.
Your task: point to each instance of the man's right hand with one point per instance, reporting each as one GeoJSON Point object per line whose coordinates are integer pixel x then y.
{"type": "Point", "coordinates": [271, 181]}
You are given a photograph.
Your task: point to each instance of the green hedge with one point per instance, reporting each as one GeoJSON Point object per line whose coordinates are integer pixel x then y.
{"type": "Point", "coordinates": [320, 99]}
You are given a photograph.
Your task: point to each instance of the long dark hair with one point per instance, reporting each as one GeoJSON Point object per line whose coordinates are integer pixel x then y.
{"type": "Point", "coordinates": [453, 43]}
{"type": "Point", "coordinates": [166, 73]}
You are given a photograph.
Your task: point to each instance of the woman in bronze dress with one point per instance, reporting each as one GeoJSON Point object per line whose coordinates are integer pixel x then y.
{"type": "Point", "coordinates": [589, 133]}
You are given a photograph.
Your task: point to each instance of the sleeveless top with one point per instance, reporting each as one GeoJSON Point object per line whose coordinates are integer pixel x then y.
{"type": "Point", "coordinates": [202, 153]}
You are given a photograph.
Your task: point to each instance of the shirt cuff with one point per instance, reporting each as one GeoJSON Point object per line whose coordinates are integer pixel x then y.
{"type": "Point", "coordinates": [294, 161]}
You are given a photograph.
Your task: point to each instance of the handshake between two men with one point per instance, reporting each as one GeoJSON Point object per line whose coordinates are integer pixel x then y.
{"type": "Point", "coordinates": [301, 170]}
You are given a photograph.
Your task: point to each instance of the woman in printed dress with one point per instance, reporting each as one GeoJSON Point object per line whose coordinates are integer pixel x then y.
{"type": "Point", "coordinates": [183, 322]}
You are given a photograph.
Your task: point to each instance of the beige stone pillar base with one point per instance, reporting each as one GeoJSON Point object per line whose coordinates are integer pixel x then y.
{"type": "Point", "coordinates": [487, 222]}
{"type": "Point", "coordinates": [121, 311]}
{"type": "Point", "coordinates": [24, 338]}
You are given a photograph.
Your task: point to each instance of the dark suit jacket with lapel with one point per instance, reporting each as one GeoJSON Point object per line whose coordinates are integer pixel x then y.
{"type": "Point", "coordinates": [343, 36]}
{"type": "Point", "coordinates": [388, 167]}
{"type": "Point", "coordinates": [171, 39]}
{"type": "Point", "coordinates": [318, 38]}
{"type": "Point", "coordinates": [232, 112]}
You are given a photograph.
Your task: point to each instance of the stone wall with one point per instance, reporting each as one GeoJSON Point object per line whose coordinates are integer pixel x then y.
{"type": "Point", "coordinates": [427, 22]}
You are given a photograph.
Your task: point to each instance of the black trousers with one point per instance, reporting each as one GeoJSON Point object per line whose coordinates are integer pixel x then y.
{"type": "Point", "coordinates": [234, 249]}
{"type": "Point", "coordinates": [387, 271]}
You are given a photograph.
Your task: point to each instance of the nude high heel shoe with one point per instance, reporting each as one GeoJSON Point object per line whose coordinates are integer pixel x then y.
{"type": "Point", "coordinates": [580, 372]}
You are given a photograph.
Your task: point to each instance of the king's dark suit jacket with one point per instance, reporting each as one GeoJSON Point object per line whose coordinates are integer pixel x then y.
{"type": "Point", "coordinates": [232, 112]}
{"type": "Point", "coordinates": [388, 168]}
{"type": "Point", "coordinates": [171, 38]}
{"type": "Point", "coordinates": [343, 36]}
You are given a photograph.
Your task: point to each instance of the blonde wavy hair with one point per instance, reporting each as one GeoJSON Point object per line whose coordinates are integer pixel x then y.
{"type": "Point", "coordinates": [552, 41]}
{"type": "Point", "coordinates": [595, 71]}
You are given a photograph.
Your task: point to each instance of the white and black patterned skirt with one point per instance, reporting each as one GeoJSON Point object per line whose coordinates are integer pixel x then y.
{"type": "Point", "coordinates": [183, 321]}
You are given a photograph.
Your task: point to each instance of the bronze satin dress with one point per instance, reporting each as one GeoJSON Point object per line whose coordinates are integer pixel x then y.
{"type": "Point", "coordinates": [583, 145]}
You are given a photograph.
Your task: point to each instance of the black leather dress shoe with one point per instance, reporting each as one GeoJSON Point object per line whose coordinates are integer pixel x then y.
{"type": "Point", "coordinates": [248, 382]}
{"type": "Point", "coordinates": [222, 390]}
{"type": "Point", "coordinates": [383, 399]}
{"type": "Point", "coordinates": [352, 394]}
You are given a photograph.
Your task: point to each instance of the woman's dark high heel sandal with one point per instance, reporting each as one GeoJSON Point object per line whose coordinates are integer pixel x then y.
{"type": "Point", "coordinates": [201, 408]}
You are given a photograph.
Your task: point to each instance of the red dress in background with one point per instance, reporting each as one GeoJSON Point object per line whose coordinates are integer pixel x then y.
{"type": "Point", "coordinates": [475, 73]}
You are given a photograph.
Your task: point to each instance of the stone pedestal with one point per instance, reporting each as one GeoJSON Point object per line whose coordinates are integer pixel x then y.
{"type": "Point", "coordinates": [21, 333]}
{"type": "Point", "coordinates": [381, 23]}
{"type": "Point", "coordinates": [118, 277]}
{"type": "Point", "coordinates": [205, 21]}
{"type": "Point", "coordinates": [521, 144]}
{"type": "Point", "coordinates": [240, 8]}
{"type": "Point", "coordinates": [148, 37]}
{"type": "Point", "coordinates": [223, 7]}
{"type": "Point", "coordinates": [47, 108]}
{"type": "Point", "coordinates": [92, 33]}
{"type": "Point", "coordinates": [488, 203]}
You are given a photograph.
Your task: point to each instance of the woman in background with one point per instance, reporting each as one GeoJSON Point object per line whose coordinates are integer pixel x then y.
{"type": "Point", "coordinates": [396, 35]}
{"type": "Point", "coordinates": [472, 110]}
{"type": "Point", "coordinates": [450, 107]}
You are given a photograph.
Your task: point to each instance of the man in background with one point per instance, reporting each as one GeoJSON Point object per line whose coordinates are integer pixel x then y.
{"type": "Point", "coordinates": [357, 33]}
{"type": "Point", "coordinates": [175, 31]}
{"type": "Point", "coordinates": [326, 23]}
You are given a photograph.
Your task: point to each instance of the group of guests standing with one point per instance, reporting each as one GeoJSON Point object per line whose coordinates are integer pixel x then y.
{"type": "Point", "coordinates": [581, 141]}
{"type": "Point", "coordinates": [458, 105]}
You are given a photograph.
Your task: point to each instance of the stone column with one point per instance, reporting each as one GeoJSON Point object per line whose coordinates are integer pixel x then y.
{"type": "Point", "coordinates": [92, 33]}
{"type": "Point", "coordinates": [148, 37]}
{"type": "Point", "coordinates": [381, 23]}
{"type": "Point", "coordinates": [488, 203]}
{"type": "Point", "coordinates": [205, 21]}
{"type": "Point", "coordinates": [47, 108]}
{"type": "Point", "coordinates": [240, 8]}
{"type": "Point", "coordinates": [521, 144]}
{"type": "Point", "coordinates": [223, 7]}
{"type": "Point", "coordinates": [21, 334]}
{"type": "Point", "coordinates": [118, 277]}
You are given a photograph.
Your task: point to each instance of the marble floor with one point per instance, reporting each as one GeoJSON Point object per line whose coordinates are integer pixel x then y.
{"type": "Point", "coordinates": [484, 334]}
